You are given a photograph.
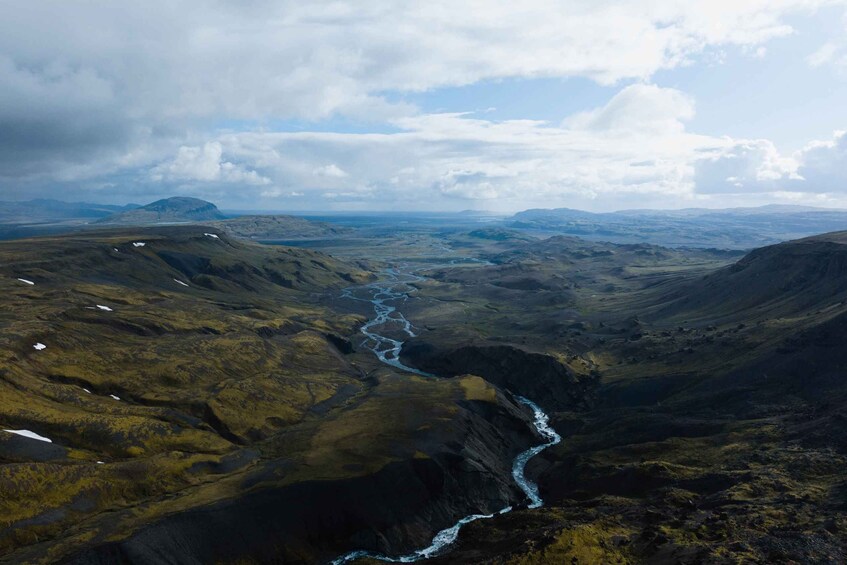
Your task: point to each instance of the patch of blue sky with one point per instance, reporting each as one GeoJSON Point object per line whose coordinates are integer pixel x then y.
{"type": "Point", "coordinates": [333, 124]}
{"type": "Point", "coordinates": [775, 95]}
{"type": "Point", "coordinates": [546, 99]}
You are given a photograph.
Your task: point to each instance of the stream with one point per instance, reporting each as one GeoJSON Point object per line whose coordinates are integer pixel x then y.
{"type": "Point", "coordinates": [395, 288]}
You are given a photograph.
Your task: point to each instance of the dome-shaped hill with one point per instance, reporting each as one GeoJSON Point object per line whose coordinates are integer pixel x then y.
{"type": "Point", "coordinates": [168, 210]}
{"type": "Point", "coordinates": [786, 279]}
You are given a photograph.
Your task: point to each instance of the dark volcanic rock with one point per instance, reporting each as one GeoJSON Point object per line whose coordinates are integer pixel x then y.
{"type": "Point", "coordinates": [17, 448]}
{"type": "Point", "coordinates": [540, 377]}
{"type": "Point", "coordinates": [343, 344]}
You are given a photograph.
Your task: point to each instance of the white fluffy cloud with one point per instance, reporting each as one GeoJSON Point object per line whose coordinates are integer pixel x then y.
{"type": "Point", "coordinates": [138, 94]}
{"type": "Point", "coordinates": [823, 164]}
{"type": "Point", "coordinates": [332, 170]}
{"type": "Point", "coordinates": [633, 147]}
{"type": "Point", "coordinates": [158, 61]}
{"type": "Point", "coordinates": [634, 150]}
{"type": "Point", "coordinates": [314, 58]}
{"type": "Point", "coordinates": [816, 174]}
{"type": "Point", "coordinates": [744, 166]}
{"type": "Point", "coordinates": [204, 164]}
{"type": "Point", "coordinates": [641, 108]}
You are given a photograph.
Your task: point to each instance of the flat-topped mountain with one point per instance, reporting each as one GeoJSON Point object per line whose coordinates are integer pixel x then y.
{"type": "Point", "coordinates": [167, 210]}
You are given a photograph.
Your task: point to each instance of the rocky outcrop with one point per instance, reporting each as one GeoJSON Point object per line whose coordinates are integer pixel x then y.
{"type": "Point", "coordinates": [540, 377]}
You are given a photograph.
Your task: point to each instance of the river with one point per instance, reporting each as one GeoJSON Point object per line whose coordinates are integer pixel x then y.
{"type": "Point", "coordinates": [385, 296]}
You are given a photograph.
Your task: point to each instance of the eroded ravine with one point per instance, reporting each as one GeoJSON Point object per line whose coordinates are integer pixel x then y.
{"type": "Point", "coordinates": [393, 289]}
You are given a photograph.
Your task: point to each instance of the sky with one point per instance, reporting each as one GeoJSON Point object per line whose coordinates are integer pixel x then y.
{"type": "Point", "coordinates": [438, 106]}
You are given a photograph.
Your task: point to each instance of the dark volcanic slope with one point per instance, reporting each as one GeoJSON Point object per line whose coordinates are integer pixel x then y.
{"type": "Point", "coordinates": [534, 375]}
{"type": "Point", "coordinates": [715, 433]}
{"type": "Point", "coordinates": [203, 404]}
{"type": "Point", "coordinates": [780, 280]}
{"type": "Point", "coordinates": [168, 210]}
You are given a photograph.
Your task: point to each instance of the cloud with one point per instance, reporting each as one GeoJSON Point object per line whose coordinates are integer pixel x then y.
{"type": "Point", "coordinates": [165, 94]}
{"type": "Point", "coordinates": [823, 164]}
{"type": "Point", "coordinates": [639, 108]}
{"type": "Point", "coordinates": [204, 164]}
{"type": "Point", "coordinates": [832, 53]}
{"type": "Point", "coordinates": [456, 161]}
{"type": "Point", "coordinates": [816, 173]}
{"type": "Point", "coordinates": [744, 166]}
{"type": "Point", "coordinates": [332, 170]}
{"type": "Point", "coordinates": [452, 160]}
{"type": "Point", "coordinates": [95, 79]}
{"type": "Point", "coordinates": [826, 53]}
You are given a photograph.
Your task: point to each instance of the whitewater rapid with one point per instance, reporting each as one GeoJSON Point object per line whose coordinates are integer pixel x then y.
{"type": "Point", "coordinates": [397, 288]}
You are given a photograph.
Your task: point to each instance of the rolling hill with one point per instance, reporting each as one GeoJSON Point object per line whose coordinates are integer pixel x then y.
{"type": "Point", "coordinates": [279, 227]}
{"type": "Point", "coordinates": [177, 390]}
{"type": "Point", "coordinates": [783, 280]}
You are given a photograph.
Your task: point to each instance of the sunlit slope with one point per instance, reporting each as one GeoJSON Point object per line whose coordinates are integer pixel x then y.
{"type": "Point", "coordinates": [199, 395]}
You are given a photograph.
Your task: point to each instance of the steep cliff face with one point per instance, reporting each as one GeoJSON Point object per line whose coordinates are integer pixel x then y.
{"type": "Point", "coordinates": [543, 378]}
{"type": "Point", "coordinates": [467, 472]}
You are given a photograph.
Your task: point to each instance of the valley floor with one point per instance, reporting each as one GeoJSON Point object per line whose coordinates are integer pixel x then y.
{"type": "Point", "coordinates": [217, 400]}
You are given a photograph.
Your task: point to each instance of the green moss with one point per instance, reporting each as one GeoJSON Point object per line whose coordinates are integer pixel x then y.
{"type": "Point", "coordinates": [594, 543]}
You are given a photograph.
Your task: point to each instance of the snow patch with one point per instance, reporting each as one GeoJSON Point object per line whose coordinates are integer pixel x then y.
{"type": "Point", "coordinates": [25, 281]}
{"type": "Point", "coordinates": [104, 308]}
{"type": "Point", "coordinates": [100, 463]}
{"type": "Point", "coordinates": [138, 244]}
{"type": "Point", "coordinates": [115, 397]}
{"type": "Point", "coordinates": [39, 346]}
{"type": "Point", "coordinates": [211, 235]}
{"type": "Point", "coordinates": [86, 390]}
{"type": "Point", "coordinates": [29, 434]}
{"type": "Point", "coordinates": [180, 282]}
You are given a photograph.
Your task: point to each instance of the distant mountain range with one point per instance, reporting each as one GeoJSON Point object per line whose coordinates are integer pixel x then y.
{"type": "Point", "coordinates": [735, 228]}
{"type": "Point", "coordinates": [47, 210]}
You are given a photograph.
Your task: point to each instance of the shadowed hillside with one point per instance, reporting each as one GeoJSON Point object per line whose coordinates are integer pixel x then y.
{"type": "Point", "coordinates": [716, 415]}
{"type": "Point", "coordinates": [781, 280]}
